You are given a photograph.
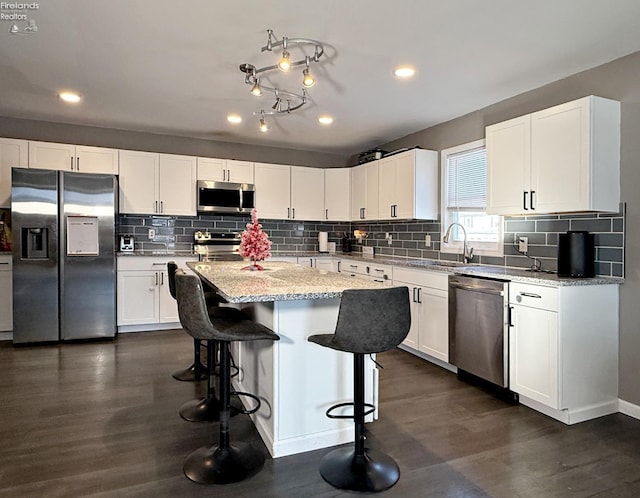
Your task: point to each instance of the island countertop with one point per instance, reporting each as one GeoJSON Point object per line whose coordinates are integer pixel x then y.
{"type": "Point", "coordinates": [279, 281]}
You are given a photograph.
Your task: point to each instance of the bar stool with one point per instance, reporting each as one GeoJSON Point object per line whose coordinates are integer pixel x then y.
{"type": "Point", "coordinates": [225, 462]}
{"type": "Point", "coordinates": [369, 321]}
{"type": "Point", "coordinates": [197, 371]}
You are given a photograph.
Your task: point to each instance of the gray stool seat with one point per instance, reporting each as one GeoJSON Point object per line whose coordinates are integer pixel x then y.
{"type": "Point", "coordinates": [369, 321]}
{"type": "Point", "coordinates": [225, 462]}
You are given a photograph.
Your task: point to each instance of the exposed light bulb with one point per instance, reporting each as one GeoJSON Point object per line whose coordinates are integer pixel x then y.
{"type": "Point", "coordinates": [255, 89]}
{"type": "Point", "coordinates": [285, 63]}
{"type": "Point", "coordinates": [307, 79]}
{"type": "Point", "coordinates": [263, 127]}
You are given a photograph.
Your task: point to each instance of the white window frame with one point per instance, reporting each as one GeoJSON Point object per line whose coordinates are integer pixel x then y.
{"type": "Point", "coordinates": [456, 247]}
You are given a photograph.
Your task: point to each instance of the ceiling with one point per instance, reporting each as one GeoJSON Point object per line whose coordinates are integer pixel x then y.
{"type": "Point", "coordinates": [172, 67]}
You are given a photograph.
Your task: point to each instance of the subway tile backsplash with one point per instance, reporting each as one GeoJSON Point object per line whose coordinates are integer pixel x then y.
{"type": "Point", "coordinates": [406, 238]}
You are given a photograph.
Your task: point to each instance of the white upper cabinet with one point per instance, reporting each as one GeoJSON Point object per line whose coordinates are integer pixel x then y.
{"type": "Point", "coordinates": [562, 159]}
{"type": "Point", "coordinates": [307, 193]}
{"type": "Point", "coordinates": [364, 191]}
{"type": "Point", "coordinates": [273, 191]}
{"type": "Point", "coordinates": [13, 153]}
{"type": "Point", "coordinates": [157, 183]}
{"type": "Point", "coordinates": [289, 192]}
{"type": "Point", "coordinates": [337, 194]}
{"type": "Point", "coordinates": [408, 185]}
{"type": "Point", "coordinates": [78, 158]}
{"type": "Point", "coordinates": [225, 170]}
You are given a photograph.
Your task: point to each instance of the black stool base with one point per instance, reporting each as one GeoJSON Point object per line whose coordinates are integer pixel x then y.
{"type": "Point", "coordinates": [375, 471]}
{"type": "Point", "coordinates": [205, 410]}
{"type": "Point", "coordinates": [222, 466]}
{"type": "Point", "coordinates": [195, 372]}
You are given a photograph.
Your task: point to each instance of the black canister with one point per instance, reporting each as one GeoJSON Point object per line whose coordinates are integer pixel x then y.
{"type": "Point", "coordinates": [346, 244]}
{"type": "Point", "coordinates": [576, 254]}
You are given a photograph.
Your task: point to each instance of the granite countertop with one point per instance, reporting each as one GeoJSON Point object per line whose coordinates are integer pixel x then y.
{"type": "Point", "coordinates": [279, 281]}
{"type": "Point", "coordinates": [487, 271]}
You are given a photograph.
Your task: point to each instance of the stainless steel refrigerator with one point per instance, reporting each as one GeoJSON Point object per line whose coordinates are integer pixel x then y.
{"type": "Point", "coordinates": [64, 268]}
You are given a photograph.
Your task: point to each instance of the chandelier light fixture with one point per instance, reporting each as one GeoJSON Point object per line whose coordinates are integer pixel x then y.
{"type": "Point", "coordinates": [285, 101]}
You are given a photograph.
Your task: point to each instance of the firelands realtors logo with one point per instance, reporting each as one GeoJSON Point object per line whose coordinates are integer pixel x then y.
{"type": "Point", "coordinates": [19, 17]}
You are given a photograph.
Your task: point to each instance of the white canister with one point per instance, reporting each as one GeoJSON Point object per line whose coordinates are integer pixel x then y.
{"type": "Point", "coordinates": [323, 242]}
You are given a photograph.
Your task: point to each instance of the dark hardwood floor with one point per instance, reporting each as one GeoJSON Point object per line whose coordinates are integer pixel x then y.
{"type": "Point", "coordinates": [101, 419]}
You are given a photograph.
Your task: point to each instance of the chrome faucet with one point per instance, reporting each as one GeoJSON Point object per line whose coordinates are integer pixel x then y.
{"type": "Point", "coordinates": [467, 251]}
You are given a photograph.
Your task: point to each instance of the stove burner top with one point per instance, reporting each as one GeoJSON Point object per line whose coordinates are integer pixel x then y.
{"type": "Point", "coordinates": [217, 246]}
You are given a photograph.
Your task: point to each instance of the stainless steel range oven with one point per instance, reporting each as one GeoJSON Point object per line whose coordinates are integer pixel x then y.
{"type": "Point", "coordinates": [217, 246]}
{"type": "Point", "coordinates": [478, 327]}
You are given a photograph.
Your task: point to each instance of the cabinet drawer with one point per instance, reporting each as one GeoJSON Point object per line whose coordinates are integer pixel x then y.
{"type": "Point", "coordinates": [6, 262]}
{"type": "Point", "coordinates": [423, 278]}
{"type": "Point", "coordinates": [146, 263]}
{"type": "Point", "coordinates": [535, 296]}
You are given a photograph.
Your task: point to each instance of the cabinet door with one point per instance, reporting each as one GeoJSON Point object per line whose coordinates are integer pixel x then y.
{"type": "Point", "coordinates": [358, 192]}
{"type": "Point", "coordinates": [177, 187]}
{"type": "Point", "coordinates": [48, 155]}
{"type": "Point", "coordinates": [307, 193]}
{"type": "Point", "coordinates": [413, 337]}
{"type": "Point", "coordinates": [337, 194]}
{"type": "Point", "coordinates": [273, 191]}
{"type": "Point", "coordinates": [96, 160]}
{"type": "Point", "coordinates": [560, 158]}
{"type": "Point", "coordinates": [434, 322]}
{"type": "Point", "coordinates": [371, 191]}
{"type": "Point", "coordinates": [387, 188]}
{"type": "Point", "coordinates": [240, 171]}
{"type": "Point", "coordinates": [212, 169]}
{"type": "Point", "coordinates": [405, 191]}
{"type": "Point", "coordinates": [13, 153]}
{"type": "Point", "coordinates": [168, 307]}
{"type": "Point", "coordinates": [138, 182]}
{"type": "Point", "coordinates": [509, 166]}
{"type": "Point", "coordinates": [138, 297]}
{"type": "Point", "coordinates": [533, 354]}
{"type": "Point", "coordinates": [6, 300]}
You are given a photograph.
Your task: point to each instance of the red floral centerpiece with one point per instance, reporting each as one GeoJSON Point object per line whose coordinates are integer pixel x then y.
{"type": "Point", "coordinates": [255, 243]}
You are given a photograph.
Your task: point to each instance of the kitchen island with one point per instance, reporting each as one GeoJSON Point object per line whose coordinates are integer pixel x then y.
{"type": "Point", "coordinates": [297, 381]}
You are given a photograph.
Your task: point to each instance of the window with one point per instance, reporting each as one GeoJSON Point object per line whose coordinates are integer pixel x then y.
{"type": "Point", "coordinates": [464, 201]}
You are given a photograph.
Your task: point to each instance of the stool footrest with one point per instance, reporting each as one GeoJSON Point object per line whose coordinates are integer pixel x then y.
{"type": "Point", "coordinates": [369, 406]}
{"type": "Point", "coordinates": [253, 397]}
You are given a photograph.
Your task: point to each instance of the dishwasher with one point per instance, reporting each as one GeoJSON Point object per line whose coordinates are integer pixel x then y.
{"type": "Point", "coordinates": [478, 327]}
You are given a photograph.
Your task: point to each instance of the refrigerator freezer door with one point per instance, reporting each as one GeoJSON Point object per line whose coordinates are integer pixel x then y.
{"type": "Point", "coordinates": [34, 212]}
{"type": "Point", "coordinates": [88, 280]}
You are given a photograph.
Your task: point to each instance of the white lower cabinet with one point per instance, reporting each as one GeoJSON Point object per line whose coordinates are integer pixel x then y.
{"type": "Point", "coordinates": [365, 269]}
{"type": "Point", "coordinates": [429, 295]}
{"type": "Point", "coordinates": [144, 299]}
{"type": "Point", "coordinates": [563, 349]}
{"type": "Point", "coordinates": [320, 262]}
{"type": "Point", "coordinates": [6, 293]}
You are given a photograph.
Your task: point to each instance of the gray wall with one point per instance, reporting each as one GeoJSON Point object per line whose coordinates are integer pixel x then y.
{"type": "Point", "coordinates": [119, 139]}
{"type": "Point", "coordinates": [619, 80]}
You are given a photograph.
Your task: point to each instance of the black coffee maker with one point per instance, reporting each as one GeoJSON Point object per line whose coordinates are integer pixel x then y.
{"type": "Point", "coordinates": [346, 243]}
{"type": "Point", "coordinates": [576, 254]}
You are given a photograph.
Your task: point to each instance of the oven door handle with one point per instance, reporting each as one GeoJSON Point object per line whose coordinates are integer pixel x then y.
{"type": "Point", "coordinates": [483, 290]}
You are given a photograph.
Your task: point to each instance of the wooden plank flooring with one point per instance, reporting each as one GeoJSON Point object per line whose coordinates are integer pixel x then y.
{"type": "Point", "coordinates": [101, 419]}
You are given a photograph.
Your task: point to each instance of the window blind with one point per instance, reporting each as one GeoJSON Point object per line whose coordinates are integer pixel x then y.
{"type": "Point", "coordinates": [467, 180]}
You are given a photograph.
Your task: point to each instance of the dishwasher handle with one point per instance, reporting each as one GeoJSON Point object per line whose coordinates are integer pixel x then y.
{"type": "Point", "coordinates": [473, 288]}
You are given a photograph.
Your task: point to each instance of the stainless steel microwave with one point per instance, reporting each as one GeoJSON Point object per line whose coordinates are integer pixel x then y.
{"type": "Point", "coordinates": [225, 197]}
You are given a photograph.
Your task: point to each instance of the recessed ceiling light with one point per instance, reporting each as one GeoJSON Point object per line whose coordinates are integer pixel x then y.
{"type": "Point", "coordinates": [325, 120]}
{"type": "Point", "coordinates": [70, 97]}
{"type": "Point", "coordinates": [234, 118]}
{"type": "Point", "coordinates": [404, 71]}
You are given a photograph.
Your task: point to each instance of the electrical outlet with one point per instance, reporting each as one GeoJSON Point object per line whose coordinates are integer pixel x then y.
{"type": "Point", "coordinates": [151, 234]}
{"type": "Point", "coordinates": [427, 240]}
{"type": "Point", "coordinates": [523, 244]}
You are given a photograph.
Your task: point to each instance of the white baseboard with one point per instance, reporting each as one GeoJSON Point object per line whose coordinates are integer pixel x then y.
{"type": "Point", "coordinates": [6, 336]}
{"type": "Point", "coordinates": [424, 356]}
{"type": "Point", "coordinates": [124, 329]}
{"type": "Point", "coordinates": [630, 409]}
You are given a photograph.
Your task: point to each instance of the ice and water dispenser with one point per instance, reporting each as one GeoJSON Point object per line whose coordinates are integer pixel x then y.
{"type": "Point", "coordinates": [35, 243]}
